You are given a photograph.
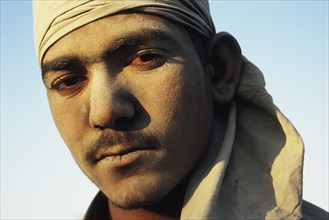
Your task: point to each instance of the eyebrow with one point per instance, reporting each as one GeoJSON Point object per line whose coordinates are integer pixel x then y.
{"type": "Point", "coordinates": [132, 39]}
{"type": "Point", "coordinates": [59, 64]}
{"type": "Point", "coordinates": [140, 37]}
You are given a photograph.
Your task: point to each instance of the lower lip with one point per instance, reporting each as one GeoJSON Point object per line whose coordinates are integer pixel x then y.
{"type": "Point", "coordinates": [125, 159]}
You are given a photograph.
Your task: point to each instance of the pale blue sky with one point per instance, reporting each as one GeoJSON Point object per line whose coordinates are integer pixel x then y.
{"type": "Point", "coordinates": [287, 40]}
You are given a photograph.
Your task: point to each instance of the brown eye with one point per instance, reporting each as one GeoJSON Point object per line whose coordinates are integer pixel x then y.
{"type": "Point", "coordinates": [141, 60]}
{"type": "Point", "coordinates": [69, 84]}
{"type": "Point", "coordinates": [147, 60]}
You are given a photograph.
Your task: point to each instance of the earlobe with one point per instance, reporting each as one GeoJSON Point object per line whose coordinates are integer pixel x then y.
{"type": "Point", "coordinates": [224, 56]}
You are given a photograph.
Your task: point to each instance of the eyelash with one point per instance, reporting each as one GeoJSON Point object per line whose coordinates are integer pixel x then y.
{"type": "Point", "coordinates": [153, 58]}
{"type": "Point", "coordinates": [74, 83]}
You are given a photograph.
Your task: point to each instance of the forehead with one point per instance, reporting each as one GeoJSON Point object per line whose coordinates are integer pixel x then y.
{"type": "Point", "coordinates": [115, 30]}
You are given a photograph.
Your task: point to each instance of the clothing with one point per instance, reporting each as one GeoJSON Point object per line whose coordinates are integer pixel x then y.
{"type": "Point", "coordinates": [99, 210]}
{"type": "Point", "coordinates": [311, 211]}
{"type": "Point", "coordinates": [67, 15]}
{"type": "Point", "coordinates": [262, 171]}
{"type": "Point", "coordinates": [257, 171]}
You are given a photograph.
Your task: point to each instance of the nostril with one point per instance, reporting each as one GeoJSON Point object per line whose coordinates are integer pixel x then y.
{"type": "Point", "coordinates": [132, 117]}
{"type": "Point", "coordinates": [124, 124]}
{"type": "Point", "coordinates": [99, 127]}
{"type": "Point", "coordinates": [118, 119]}
{"type": "Point", "coordinates": [116, 115]}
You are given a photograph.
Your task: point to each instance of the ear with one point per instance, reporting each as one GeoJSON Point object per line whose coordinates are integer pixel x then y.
{"type": "Point", "coordinates": [224, 57]}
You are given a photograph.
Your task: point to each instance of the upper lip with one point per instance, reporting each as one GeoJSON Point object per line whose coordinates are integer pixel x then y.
{"type": "Point", "coordinates": [119, 150]}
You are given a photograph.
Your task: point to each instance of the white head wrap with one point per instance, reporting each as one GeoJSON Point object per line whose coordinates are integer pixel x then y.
{"type": "Point", "coordinates": [53, 19]}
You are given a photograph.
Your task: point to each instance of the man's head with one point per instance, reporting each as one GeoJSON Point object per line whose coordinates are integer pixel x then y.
{"type": "Point", "coordinates": [134, 102]}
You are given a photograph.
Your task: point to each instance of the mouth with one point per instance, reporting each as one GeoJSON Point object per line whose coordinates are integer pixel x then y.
{"type": "Point", "coordinates": [118, 156]}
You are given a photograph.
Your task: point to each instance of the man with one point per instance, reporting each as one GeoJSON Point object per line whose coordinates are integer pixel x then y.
{"type": "Point", "coordinates": [165, 116]}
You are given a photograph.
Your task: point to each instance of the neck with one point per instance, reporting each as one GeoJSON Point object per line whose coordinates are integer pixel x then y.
{"type": "Point", "coordinates": [168, 208]}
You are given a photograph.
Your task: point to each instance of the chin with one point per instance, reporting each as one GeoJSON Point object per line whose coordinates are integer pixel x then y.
{"type": "Point", "coordinates": [130, 203]}
{"type": "Point", "coordinates": [142, 196]}
{"type": "Point", "coordinates": [138, 193]}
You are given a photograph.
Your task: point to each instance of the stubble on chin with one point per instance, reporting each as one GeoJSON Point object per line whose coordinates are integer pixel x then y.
{"type": "Point", "coordinates": [143, 195]}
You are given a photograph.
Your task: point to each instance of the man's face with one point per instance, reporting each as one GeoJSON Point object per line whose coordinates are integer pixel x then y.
{"type": "Point", "coordinates": [132, 101]}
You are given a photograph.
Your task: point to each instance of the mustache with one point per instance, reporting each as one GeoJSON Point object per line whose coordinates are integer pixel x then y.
{"type": "Point", "coordinates": [106, 140]}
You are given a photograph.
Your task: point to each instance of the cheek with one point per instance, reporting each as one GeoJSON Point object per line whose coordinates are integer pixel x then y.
{"type": "Point", "coordinates": [181, 107]}
{"type": "Point", "coordinates": [163, 100]}
{"type": "Point", "coordinates": [70, 120]}
{"type": "Point", "coordinates": [182, 98]}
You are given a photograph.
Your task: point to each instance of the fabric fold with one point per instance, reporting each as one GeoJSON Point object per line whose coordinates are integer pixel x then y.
{"type": "Point", "coordinates": [262, 177]}
{"type": "Point", "coordinates": [205, 184]}
{"type": "Point", "coordinates": [67, 16]}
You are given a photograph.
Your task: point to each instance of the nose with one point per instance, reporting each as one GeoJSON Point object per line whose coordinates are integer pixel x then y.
{"type": "Point", "coordinates": [110, 105]}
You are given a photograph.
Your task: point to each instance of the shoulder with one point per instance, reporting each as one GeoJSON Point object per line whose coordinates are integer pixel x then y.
{"type": "Point", "coordinates": [311, 211]}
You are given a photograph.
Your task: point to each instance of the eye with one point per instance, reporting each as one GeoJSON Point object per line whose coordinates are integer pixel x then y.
{"type": "Point", "coordinates": [69, 84]}
{"type": "Point", "coordinates": [147, 60]}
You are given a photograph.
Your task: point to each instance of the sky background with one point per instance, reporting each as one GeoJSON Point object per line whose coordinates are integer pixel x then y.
{"type": "Point", "coordinates": [287, 40]}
